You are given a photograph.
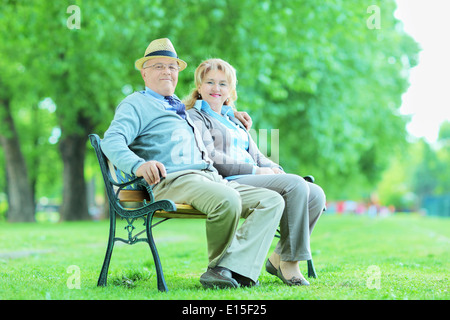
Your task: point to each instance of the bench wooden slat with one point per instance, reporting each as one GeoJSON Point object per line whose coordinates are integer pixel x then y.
{"type": "Point", "coordinates": [195, 214]}
{"type": "Point", "coordinates": [131, 199]}
{"type": "Point", "coordinates": [133, 195]}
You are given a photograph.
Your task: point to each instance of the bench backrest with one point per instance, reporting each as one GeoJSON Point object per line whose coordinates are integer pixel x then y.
{"type": "Point", "coordinates": [133, 198]}
{"type": "Point", "coordinates": [112, 176]}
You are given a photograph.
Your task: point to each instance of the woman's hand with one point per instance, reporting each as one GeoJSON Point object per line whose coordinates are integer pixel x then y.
{"type": "Point", "coordinates": [151, 170]}
{"type": "Point", "coordinates": [264, 170]}
{"type": "Point", "coordinates": [278, 171]}
{"type": "Point", "coordinates": [267, 170]}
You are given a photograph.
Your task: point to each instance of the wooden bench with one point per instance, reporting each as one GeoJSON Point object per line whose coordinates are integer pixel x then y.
{"type": "Point", "coordinates": [135, 204]}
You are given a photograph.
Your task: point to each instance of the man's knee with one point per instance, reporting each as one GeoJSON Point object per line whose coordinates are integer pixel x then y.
{"type": "Point", "coordinates": [228, 207]}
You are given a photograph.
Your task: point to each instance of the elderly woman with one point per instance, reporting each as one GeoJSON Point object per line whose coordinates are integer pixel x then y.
{"type": "Point", "coordinates": [236, 156]}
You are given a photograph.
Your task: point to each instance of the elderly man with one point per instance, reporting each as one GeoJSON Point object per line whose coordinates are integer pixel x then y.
{"type": "Point", "coordinates": [152, 137]}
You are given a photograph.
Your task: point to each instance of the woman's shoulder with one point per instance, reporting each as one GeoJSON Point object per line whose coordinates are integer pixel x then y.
{"type": "Point", "coordinates": [201, 118]}
{"type": "Point", "coordinates": [196, 113]}
{"type": "Point", "coordinates": [193, 110]}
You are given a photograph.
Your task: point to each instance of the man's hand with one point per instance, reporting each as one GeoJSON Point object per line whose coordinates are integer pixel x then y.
{"type": "Point", "coordinates": [243, 117]}
{"type": "Point", "coordinates": [150, 171]}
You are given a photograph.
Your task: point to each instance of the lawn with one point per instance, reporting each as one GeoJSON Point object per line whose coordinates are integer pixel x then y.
{"type": "Point", "coordinates": [356, 258]}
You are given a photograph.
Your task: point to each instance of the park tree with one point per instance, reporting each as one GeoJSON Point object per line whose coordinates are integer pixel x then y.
{"type": "Point", "coordinates": [19, 192]}
{"type": "Point", "coordinates": [12, 81]}
{"type": "Point", "coordinates": [46, 58]}
{"type": "Point", "coordinates": [443, 154]}
{"type": "Point", "coordinates": [418, 171]}
{"type": "Point", "coordinates": [431, 173]}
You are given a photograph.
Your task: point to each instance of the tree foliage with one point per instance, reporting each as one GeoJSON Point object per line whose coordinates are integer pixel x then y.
{"type": "Point", "coordinates": [314, 70]}
{"type": "Point", "coordinates": [422, 171]}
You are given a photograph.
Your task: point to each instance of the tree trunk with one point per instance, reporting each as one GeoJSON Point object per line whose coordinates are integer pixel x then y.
{"type": "Point", "coordinates": [20, 196]}
{"type": "Point", "coordinates": [74, 206]}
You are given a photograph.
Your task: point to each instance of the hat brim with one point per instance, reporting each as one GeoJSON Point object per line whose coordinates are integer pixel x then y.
{"type": "Point", "coordinates": [140, 62]}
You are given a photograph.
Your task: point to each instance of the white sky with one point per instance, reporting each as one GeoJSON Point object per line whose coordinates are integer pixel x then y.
{"type": "Point", "coordinates": [428, 97]}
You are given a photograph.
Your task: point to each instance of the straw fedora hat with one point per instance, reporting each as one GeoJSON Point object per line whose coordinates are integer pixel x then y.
{"type": "Point", "coordinates": [160, 48]}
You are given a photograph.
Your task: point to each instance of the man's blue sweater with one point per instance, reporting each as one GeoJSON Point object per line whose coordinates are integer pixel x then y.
{"type": "Point", "coordinates": [143, 130]}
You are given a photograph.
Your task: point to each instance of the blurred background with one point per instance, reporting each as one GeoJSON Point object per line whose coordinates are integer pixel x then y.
{"type": "Point", "coordinates": [358, 91]}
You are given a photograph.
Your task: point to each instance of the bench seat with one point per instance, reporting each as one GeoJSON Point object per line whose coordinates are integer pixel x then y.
{"type": "Point", "coordinates": [131, 199]}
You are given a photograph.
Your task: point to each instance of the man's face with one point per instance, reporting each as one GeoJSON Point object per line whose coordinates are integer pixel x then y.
{"type": "Point", "coordinates": [162, 81]}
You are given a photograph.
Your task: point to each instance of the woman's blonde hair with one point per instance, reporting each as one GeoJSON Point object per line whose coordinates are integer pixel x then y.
{"type": "Point", "coordinates": [199, 76]}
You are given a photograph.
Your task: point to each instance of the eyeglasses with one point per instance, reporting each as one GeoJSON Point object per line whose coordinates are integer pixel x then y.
{"type": "Point", "coordinates": [222, 84]}
{"type": "Point", "coordinates": [162, 66]}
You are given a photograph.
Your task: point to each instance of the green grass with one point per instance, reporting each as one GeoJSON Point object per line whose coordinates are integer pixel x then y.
{"type": "Point", "coordinates": [409, 254]}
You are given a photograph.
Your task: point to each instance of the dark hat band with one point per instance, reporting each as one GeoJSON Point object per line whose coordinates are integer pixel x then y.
{"type": "Point", "coordinates": [165, 53]}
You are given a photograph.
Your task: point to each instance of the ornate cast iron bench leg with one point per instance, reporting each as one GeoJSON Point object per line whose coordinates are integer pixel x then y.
{"type": "Point", "coordinates": [162, 286]}
{"type": "Point", "coordinates": [112, 231]}
{"type": "Point", "coordinates": [132, 239]}
{"type": "Point", "coordinates": [311, 271]}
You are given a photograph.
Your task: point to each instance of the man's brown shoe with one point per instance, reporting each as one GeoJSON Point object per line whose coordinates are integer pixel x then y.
{"type": "Point", "coordinates": [218, 277]}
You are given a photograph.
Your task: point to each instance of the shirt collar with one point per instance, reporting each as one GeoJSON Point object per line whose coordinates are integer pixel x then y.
{"type": "Point", "coordinates": [227, 111]}
{"type": "Point", "coordinates": [203, 105]}
{"type": "Point", "coordinates": [150, 92]}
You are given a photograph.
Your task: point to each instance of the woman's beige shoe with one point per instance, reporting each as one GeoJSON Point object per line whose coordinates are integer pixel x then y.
{"type": "Point", "coordinates": [294, 281]}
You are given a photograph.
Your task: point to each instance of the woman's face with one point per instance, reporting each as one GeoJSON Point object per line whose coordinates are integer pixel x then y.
{"type": "Point", "coordinates": [215, 89]}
